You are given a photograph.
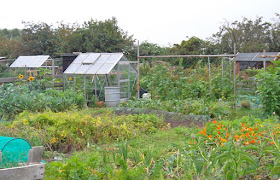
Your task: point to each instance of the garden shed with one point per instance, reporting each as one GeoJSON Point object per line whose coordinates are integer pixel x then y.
{"type": "Point", "coordinates": [102, 76]}
{"type": "Point", "coordinates": [255, 60]}
{"type": "Point", "coordinates": [32, 63]}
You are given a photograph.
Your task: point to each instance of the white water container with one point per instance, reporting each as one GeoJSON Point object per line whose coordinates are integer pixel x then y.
{"type": "Point", "coordinates": [112, 96]}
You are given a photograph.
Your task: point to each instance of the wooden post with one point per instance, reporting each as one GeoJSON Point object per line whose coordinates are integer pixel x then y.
{"type": "Point", "coordinates": [35, 154]}
{"type": "Point", "coordinates": [264, 67]}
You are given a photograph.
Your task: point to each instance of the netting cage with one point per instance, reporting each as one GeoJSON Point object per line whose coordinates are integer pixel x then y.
{"type": "Point", "coordinates": [108, 77]}
{"type": "Point", "coordinates": [13, 151]}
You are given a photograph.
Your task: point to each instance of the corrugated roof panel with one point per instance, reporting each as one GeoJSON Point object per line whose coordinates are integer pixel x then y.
{"type": "Point", "coordinates": [259, 58]}
{"type": "Point", "coordinates": [72, 68]}
{"type": "Point", "coordinates": [255, 56]}
{"type": "Point", "coordinates": [91, 58]}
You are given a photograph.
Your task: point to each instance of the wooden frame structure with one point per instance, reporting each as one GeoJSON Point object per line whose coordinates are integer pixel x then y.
{"type": "Point", "coordinates": [34, 170]}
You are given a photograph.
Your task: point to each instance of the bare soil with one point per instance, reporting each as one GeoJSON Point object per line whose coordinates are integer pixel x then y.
{"type": "Point", "coordinates": [188, 123]}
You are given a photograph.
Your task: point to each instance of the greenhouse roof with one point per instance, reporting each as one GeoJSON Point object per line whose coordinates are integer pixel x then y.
{"type": "Point", "coordinates": [30, 61]}
{"type": "Point", "coordinates": [257, 56]}
{"type": "Point", "coordinates": [95, 63]}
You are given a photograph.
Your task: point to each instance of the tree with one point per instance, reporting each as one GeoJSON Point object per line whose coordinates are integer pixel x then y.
{"type": "Point", "coordinates": [101, 36]}
{"type": "Point", "coordinates": [38, 39]}
{"type": "Point", "coordinates": [248, 35]}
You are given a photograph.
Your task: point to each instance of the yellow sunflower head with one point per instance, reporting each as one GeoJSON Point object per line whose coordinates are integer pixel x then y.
{"type": "Point", "coordinates": [31, 78]}
{"type": "Point", "coordinates": [70, 79]}
{"type": "Point", "coordinates": [20, 76]}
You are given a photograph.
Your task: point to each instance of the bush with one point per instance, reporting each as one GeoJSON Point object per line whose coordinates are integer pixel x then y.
{"type": "Point", "coordinates": [77, 128]}
{"type": "Point", "coordinates": [269, 88]}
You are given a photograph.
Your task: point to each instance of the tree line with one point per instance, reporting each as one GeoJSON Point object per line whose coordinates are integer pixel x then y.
{"type": "Point", "coordinates": [106, 36]}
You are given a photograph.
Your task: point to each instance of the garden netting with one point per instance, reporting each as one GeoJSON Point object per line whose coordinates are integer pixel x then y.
{"type": "Point", "coordinates": [14, 151]}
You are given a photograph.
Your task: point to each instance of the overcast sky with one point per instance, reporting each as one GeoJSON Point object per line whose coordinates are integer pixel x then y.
{"type": "Point", "coordinates": [157, 21]}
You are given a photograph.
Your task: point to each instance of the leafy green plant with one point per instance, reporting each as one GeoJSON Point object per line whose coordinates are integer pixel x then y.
{"type": "Point", "coordinates": [269, 88]}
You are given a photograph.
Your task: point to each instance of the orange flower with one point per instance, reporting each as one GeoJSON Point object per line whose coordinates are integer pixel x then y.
{"type": "Point", "coordinates": [236, 136]}
{"type": "Point", "coordinates": [247, 134]}
{"type": "Point", "coordinates": [272, 143]}
{"type": "Point", "coordinates": [253, 141]}
{"type": "Point", "coordinates": [223, 140]}
{"type": "Point", "coordinates": [218, 127]}
{"type": "Point", "coordinates": [259, 142]}
{"type": "Point", "coordinates": [227, 134]}
{"type": "Point", "coordinates": [250, 129]}
{"type": "Point", "coordinates": [260, 134]}
{"type": "Point", "coordinates": [219, 132]}
{"type": "Point", "coordinates": [210, 136]}
{"type": "Point", "coordinates": [214, 122]}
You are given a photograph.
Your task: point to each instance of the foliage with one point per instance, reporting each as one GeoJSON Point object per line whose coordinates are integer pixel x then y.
{"type": "Point", "coordinates": [269, 88]}
{"type": "Point", "coordinates": [165, 82]}
{"type": "Point", "coordinates": [188, 107]}
{"type": "Point", "coordinates": [74, 130]}
{"type": "Point", "coordinates": [246, 148]}
{"type": "Point", "coordinates": [248, 35]}
{"type": "Point", "coordinates": [33, 97]}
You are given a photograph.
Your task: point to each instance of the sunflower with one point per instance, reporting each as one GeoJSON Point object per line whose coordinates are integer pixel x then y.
{"type": "Point", "coordinates": [31, 78]}
{"type": "Point", "coordinates": [70, 79]}
{"type": "Point", "coordinates": [20, 76]}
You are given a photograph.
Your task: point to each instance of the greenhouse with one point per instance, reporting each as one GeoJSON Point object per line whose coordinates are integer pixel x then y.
{"type": "Point", "coordinates": [30, 64]}
{"type": "Point", "coordinates": [108, 77]}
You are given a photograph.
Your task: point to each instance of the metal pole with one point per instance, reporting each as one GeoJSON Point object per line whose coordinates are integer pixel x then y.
{"type": "Point", "coordinates": [128, 83]}
{"type": "Point", "coordinates": [234, 71]}
{"type": "Point", "coordinates": [118, 74]}
{"type": "Point", "coordinates": [85, 87]}
{"type": "Point", "coordinates": [95, 90]}
{"type": "Point", "coordinates": [138, 71]}
{"type": "Point", "coordinates": [222, 67]}
{"type": "Point", "coordinates": [74, 84]}
{"type": "Point", "coordinates": [209, 74]}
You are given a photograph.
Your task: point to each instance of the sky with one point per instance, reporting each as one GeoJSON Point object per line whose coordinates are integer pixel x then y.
{"type": "Point", "coordinates": [157, 21]}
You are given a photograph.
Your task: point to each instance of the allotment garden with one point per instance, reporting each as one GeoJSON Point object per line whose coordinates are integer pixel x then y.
{"type": "Point", "coordinates": [90, 141]}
